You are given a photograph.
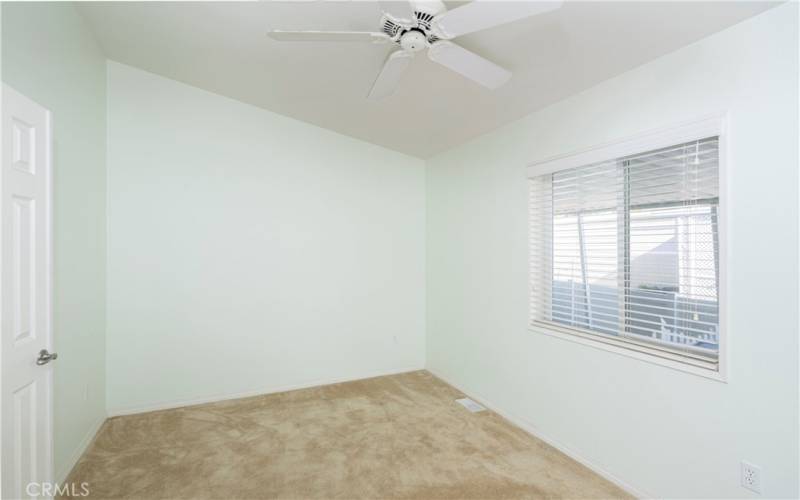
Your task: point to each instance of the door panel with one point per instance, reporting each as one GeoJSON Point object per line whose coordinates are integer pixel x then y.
{"type": "Point", "coordinates": [23, 229]}
{"type": "Point", "coordinates": [25, 318]}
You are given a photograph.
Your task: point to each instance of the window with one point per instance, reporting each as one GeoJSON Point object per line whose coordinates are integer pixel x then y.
{"type": "Point", "coordinates": [625, 250]}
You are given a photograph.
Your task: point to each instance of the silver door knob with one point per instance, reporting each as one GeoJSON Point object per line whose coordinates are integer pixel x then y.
{"type": "Point", "coordinates": [45, 357]}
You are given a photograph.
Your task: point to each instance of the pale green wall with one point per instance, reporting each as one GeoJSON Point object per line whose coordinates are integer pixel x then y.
{"type": "Point", "coordinates": [50, 56]}
{"type": "Point", "coordinates": [666, 433]}
{"type": "Point", "coordinates": [249, 252]}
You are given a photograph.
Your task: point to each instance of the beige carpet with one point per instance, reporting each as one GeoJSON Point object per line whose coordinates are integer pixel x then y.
{"type": "Point", "coordinates": [400, 436]}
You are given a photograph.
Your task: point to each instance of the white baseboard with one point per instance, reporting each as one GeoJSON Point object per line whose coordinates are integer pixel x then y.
{"type": "Point", "coordinates": [63, 473]}
{"type": "Point", "coordinates": [168, 405]}
{"type": "Point", "coordinates": [530, 429]}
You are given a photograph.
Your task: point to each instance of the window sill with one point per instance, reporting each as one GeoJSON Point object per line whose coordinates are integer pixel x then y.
{"type": "Point", "coordinates": [632, 351]}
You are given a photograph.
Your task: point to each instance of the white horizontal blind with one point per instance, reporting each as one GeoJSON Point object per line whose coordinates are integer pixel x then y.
{"type": "Point", "coordinates": [627, 251]}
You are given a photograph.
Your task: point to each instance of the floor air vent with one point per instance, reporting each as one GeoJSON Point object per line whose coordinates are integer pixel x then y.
{"type": "Point", "coordinates": [470, 405]}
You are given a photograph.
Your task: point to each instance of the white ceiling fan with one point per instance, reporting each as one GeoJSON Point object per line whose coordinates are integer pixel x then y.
{"type": "Point", "coordinates": [415, 25]}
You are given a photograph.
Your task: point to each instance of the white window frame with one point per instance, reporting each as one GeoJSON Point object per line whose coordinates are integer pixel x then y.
{"type": "Point", "coordinates": [715, 125]}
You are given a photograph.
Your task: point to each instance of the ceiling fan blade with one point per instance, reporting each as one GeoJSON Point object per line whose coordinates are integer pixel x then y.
{"type": "Point", "coordinates": [468, 64]}
{"type": "Point", "coordinates": [483, 14]}
{"type": "Point", "coordinates": [400, 10]}
{"type": "Point", "coordinates": [329, 36]}
{"type": "Point", "coordinates": [390, 75]}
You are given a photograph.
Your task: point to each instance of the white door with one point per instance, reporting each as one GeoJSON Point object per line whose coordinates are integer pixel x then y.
{"type": "Point", "coordinates": [25, 317]}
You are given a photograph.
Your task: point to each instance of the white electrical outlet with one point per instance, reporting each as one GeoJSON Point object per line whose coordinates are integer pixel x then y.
{"type": "Point", "coordinates": [751, 477]}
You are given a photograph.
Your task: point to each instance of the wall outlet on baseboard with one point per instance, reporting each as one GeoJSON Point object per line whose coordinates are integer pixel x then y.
{"type": "Point", "coordinates": [751, 477]}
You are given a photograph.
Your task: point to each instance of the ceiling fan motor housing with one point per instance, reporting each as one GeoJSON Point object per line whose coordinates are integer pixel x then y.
{"type": "Point", "coordinates": [419, 34]}
{"type": "Point", "coordinates": [413, 40]}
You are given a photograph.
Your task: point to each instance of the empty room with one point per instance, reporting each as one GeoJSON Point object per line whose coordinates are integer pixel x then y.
{"type": "Point", "coordinates": [400, 249]}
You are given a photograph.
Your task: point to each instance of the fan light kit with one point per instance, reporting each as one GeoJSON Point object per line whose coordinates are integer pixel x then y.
{"type": "Point", "coordinates": [414, 26]}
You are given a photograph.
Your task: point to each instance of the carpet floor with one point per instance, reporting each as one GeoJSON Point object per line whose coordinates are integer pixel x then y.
{"type": "Point", "coordinates": [399, 436]}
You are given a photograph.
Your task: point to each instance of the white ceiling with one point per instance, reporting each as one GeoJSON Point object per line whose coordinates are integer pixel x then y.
{"type": "Point", "coordinates": [222, 47]}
